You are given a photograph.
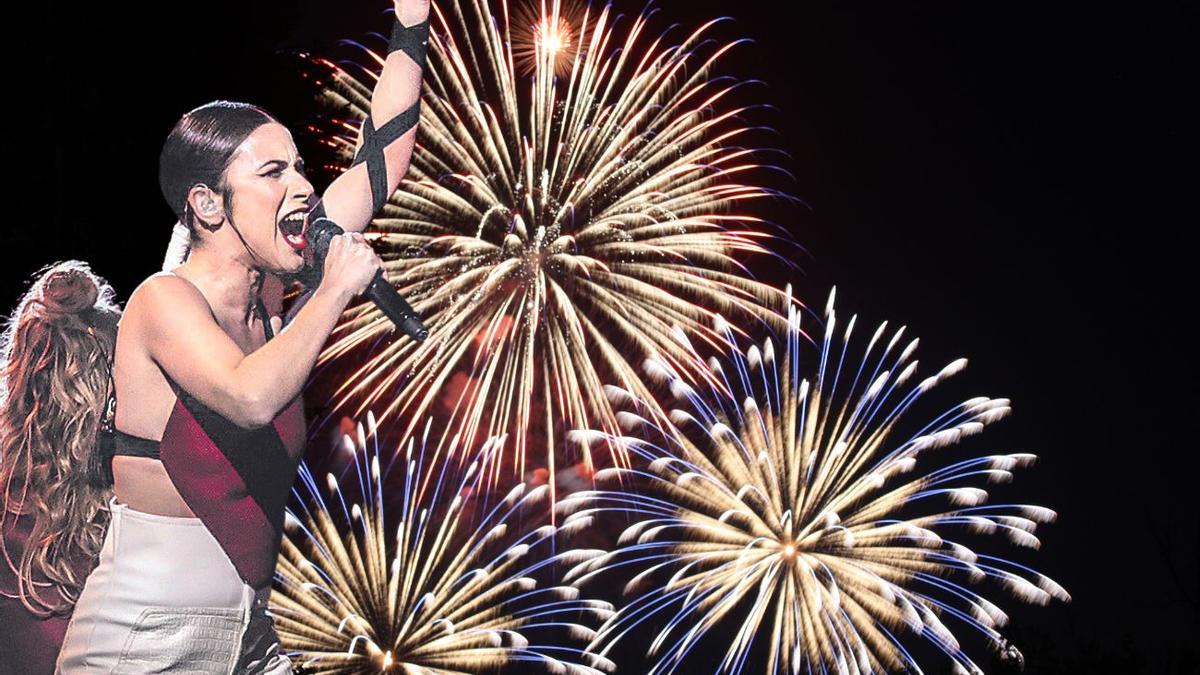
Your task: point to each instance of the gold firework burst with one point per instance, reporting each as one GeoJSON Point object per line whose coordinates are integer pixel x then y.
{"type": "Point", "coordinates": [784, 506]}
{"type": "Point", "coordinates": [549, 31]}
{"type": "Point", "coordinates": [550, 235]}
{"type": "Point", "coordinates": [454, 591]}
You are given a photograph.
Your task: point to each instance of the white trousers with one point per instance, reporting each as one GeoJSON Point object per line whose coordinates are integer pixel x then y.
{"type": "Point", "coordinates": [165, 598]}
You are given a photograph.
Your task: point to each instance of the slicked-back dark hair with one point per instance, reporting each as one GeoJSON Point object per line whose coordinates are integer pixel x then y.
{"type": "Point", "coordinates": [199, 149]}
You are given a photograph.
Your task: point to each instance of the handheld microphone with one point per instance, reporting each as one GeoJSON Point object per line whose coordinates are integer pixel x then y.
{"type": "Point", "coordinates": [379, 291]}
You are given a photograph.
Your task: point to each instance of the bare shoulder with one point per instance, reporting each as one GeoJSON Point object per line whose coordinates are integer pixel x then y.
{"type": "Point", "coordinates": [164, 286]}
{"type": "Point", "coordinates": [164, 294]}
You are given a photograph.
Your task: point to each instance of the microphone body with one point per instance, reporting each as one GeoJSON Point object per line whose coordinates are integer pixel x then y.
{"type": "Point", "coordinates": [320, 231]}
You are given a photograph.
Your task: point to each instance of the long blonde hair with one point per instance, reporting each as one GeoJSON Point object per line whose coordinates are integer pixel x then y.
{"type": "Point", "coordinates": [55, 359]}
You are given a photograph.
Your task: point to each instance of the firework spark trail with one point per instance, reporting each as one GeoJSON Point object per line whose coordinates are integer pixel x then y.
{"type": "Point", "coordinates": [552, 238]}
{"type": "Point", "coordinates": [459, 593]}
{"type": "Point", "coordinates": [785, 502]}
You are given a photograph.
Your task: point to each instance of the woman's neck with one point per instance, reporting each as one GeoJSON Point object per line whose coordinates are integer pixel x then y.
{"type": "Point", "coordinates": [232, 285]}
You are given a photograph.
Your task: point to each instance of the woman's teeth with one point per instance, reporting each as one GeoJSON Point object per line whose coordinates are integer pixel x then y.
{"type": "Point", "coordinates": [294, 229]}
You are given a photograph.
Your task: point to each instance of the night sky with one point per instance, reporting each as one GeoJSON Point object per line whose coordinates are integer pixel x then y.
{"type": "Point", "coordinates": [1007, 179]}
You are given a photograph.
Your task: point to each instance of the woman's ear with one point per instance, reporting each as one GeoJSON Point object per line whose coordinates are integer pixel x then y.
{"type": "Point", "coordinates": [207, 205]}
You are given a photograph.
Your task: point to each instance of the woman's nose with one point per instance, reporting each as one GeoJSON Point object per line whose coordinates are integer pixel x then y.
{"type": "Point", "coordinates": [303, 187]}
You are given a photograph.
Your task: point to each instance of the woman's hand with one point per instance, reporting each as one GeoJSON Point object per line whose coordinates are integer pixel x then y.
{"type": "Point", "coordinates": [412, 12]}
{"type": "Point", "coordinates": [350, 264]}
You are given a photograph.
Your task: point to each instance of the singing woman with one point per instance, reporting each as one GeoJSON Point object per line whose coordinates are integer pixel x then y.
{"type": "Point", "coordinates": [209, 427]}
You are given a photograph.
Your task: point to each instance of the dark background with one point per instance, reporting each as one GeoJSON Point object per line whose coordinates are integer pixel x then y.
{"type": "Point", "coordinates": [1007, 179]}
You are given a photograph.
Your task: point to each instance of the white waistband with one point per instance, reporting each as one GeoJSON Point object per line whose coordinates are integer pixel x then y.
{"type": "Point", "coordinates": [261, 596]}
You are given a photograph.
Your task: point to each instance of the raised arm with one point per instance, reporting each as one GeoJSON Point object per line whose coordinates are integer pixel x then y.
{"type": "Point", "coordinates": [385, 142]}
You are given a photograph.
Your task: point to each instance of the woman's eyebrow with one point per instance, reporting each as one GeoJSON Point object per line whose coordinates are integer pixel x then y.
{"type": "Point", "coordinates": [282, 163]}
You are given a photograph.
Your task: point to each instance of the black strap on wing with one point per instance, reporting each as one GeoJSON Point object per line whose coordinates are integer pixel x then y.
{"type": "Point", "coordinates": [411, 40]}
{"type": "Point", "coordinates": [374, 141]}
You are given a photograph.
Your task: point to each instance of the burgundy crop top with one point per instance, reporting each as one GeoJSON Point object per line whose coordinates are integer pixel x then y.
{"type": "Point", "coordinates": [235, 480]}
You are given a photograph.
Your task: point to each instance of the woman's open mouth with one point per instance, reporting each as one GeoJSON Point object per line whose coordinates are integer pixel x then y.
{"type": "Point", "coordinates": [294, 226]}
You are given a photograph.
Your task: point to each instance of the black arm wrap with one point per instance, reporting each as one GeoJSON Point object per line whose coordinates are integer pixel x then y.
{"type": "Point", "coordinates": [374, 141]}
{"type": "Point", "coordinates": [411, 40]}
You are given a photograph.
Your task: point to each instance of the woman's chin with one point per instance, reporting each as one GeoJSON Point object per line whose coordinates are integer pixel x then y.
{"type": "Point", "coordinates": [288, 262]}
{"type": "Point", "coordinates": [291, 256]}
{"type": "Point", "coordinates": [294, 263]}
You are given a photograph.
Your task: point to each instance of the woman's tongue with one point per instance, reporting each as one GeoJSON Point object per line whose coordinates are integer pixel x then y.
{"type": "Point", "coordinates": [297, 242]}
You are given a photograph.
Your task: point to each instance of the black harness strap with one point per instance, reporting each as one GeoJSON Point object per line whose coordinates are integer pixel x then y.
{"type": "Point", "coordinates": [261, 308]}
